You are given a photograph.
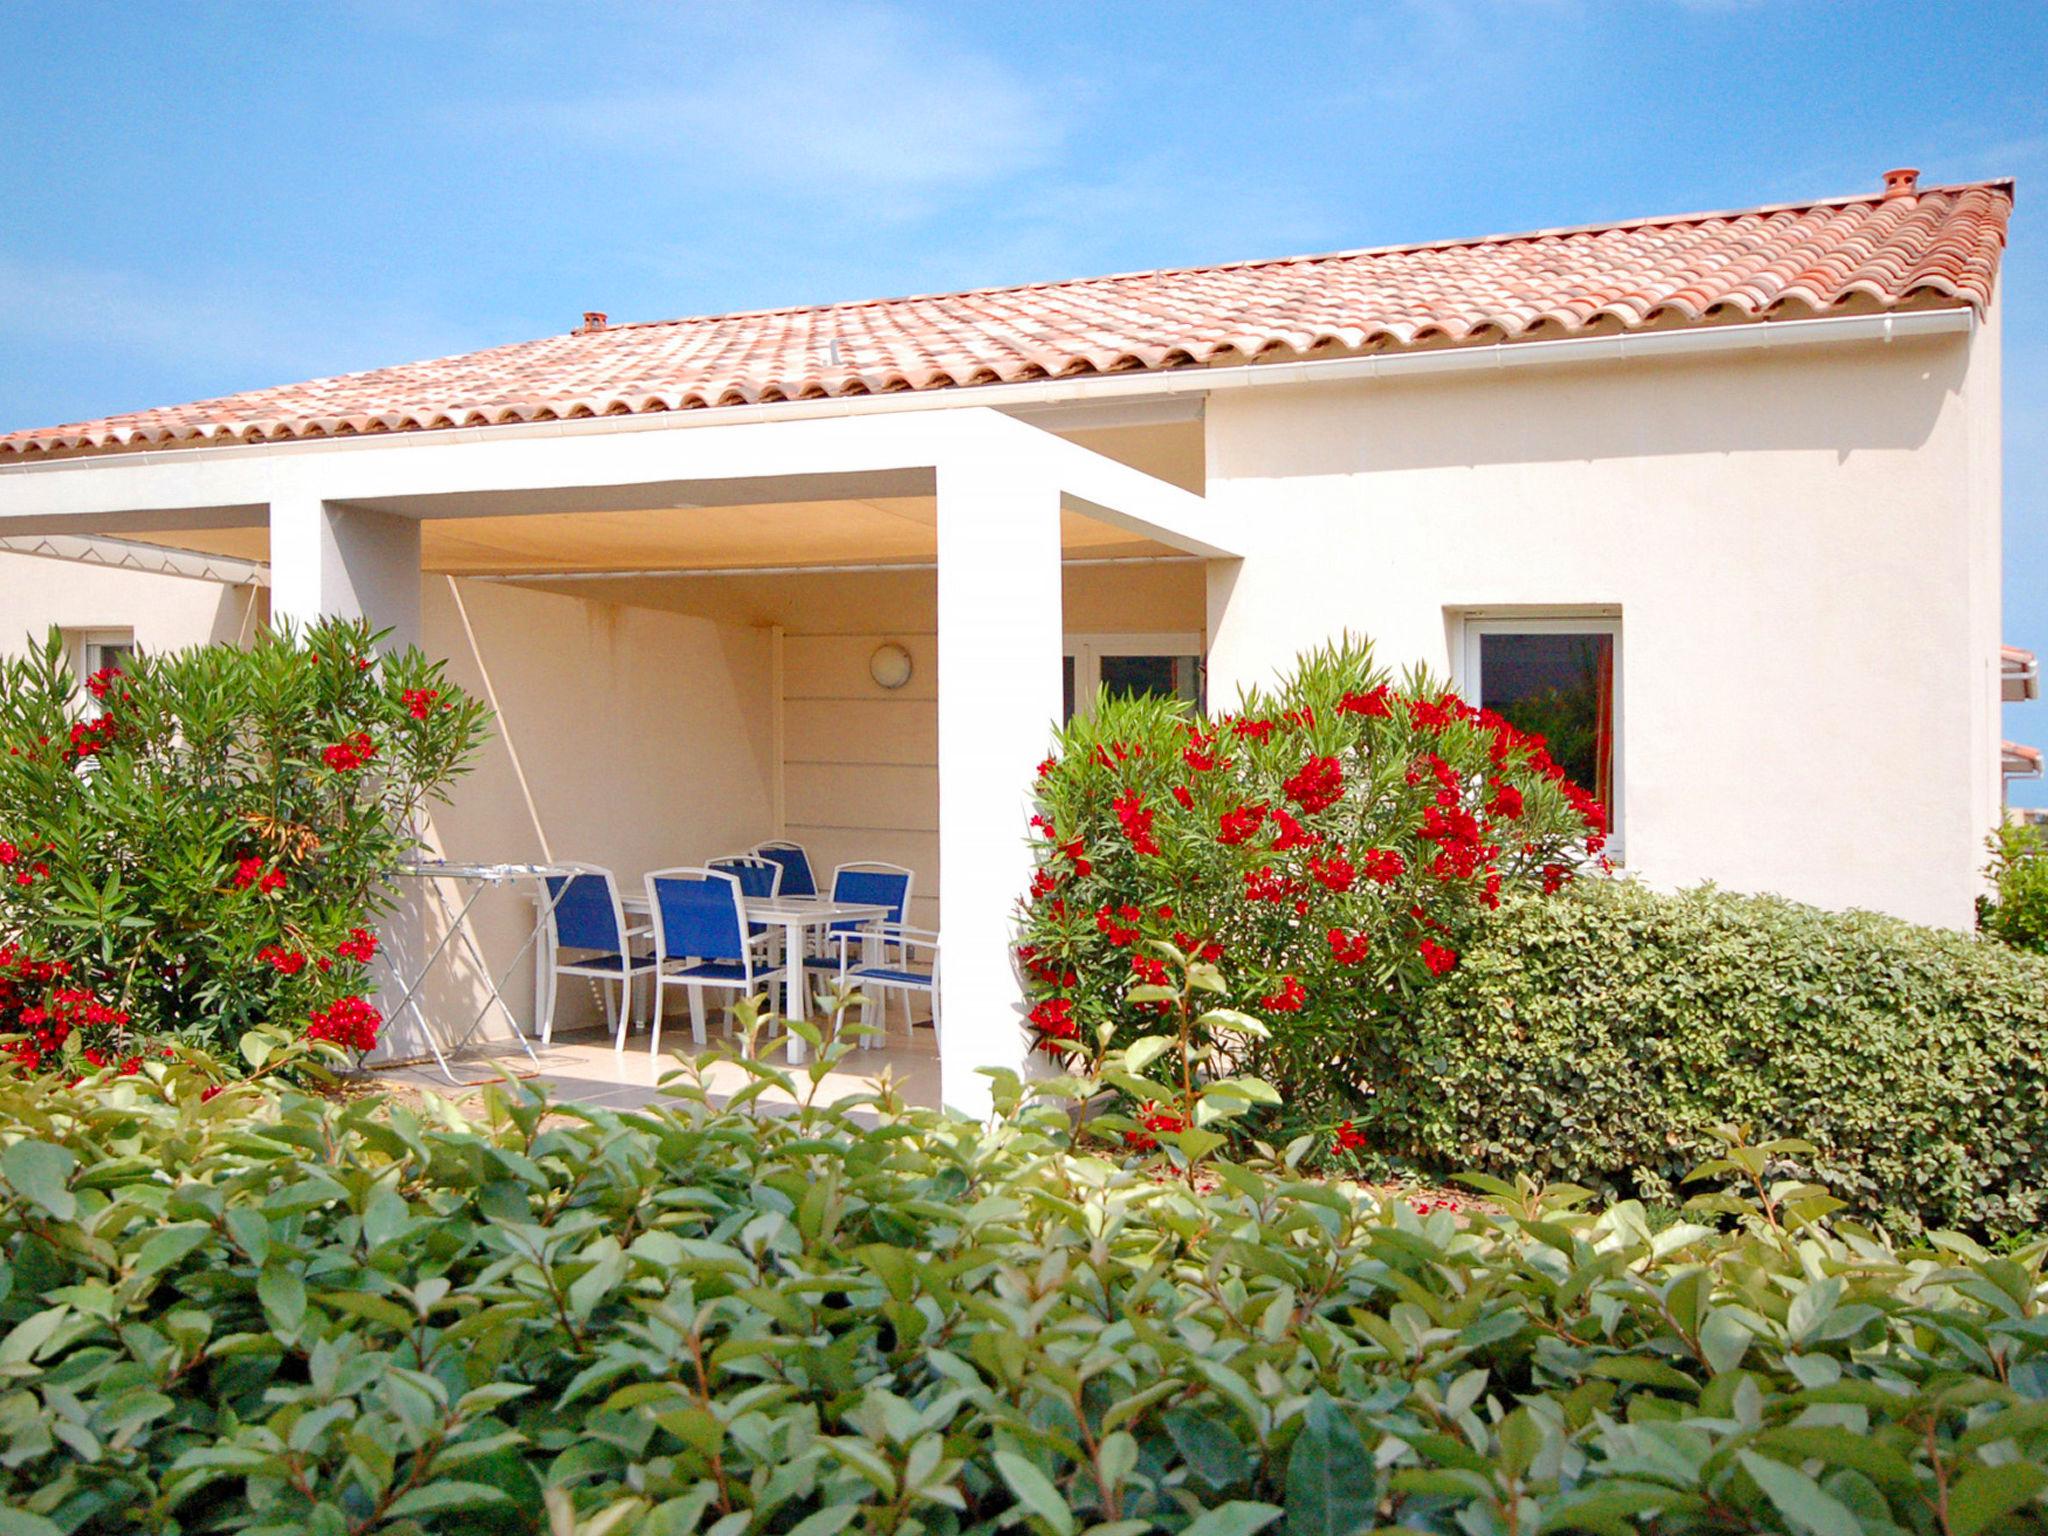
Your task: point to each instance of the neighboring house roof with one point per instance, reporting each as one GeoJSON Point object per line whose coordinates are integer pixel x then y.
{"type": "Point", "coordinates": [1906, 248]}
{"type": "Point", "coordinates": [2019, 762]}
{"type": "Point", "coordinates": [2019, 674]}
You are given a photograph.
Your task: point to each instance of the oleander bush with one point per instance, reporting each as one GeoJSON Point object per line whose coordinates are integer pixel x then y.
{"type": "Point", "coordinates": [195, 849]}
{"type": "Point", "coordinates": [1599, 1037]}
{"type": "Point", "coordinates": [2016, 911]}
{"type": "Point", "coordinates": [266, 1312]}
{"type": "Point", "coordinates": [1329, 850]}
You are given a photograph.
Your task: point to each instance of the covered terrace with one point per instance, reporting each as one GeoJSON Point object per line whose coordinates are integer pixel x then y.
{"type": "Point", "coordinates": [675, 616]}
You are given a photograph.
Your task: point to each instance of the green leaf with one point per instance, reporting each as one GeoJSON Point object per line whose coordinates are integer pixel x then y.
{"type": "Point", "coordinates": [40, 1173]}
{"type": "Point", "coordinates": [31, 1334]}
{"type": "Point", "coordinates": [1331, 1490]}
{"type": "Point", "coordinates": [1986, 1494]}
{"type": "Point", "coordinates": [19, 1522]}
{"type": "Point", "coordinates": [1799, 1498]}
{"type": "Point", "coordinates": [283, 1296]}
{"type": "Point", "coordinates": [1034, 1490]}
{"type": "Point", "coordinates": [1239, 1517]}
{"type": "Point", "coordinates": [429, 1498]}
{"type": "Point", "coordinates": [1143, 1052]}
{"type": "Point", "coordinates": [1210, 1447]}
{"type": "Point", "coordinates": [1643, 1371]}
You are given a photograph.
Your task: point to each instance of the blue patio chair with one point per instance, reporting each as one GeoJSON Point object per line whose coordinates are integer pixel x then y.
{"type": "Point", "coordinates": [760, 879]}
{"type": "Point", "coordinates": [586, 918]}
{"type": "Point", "coordinates": [797, 879]}
{"type": "Point", "coordinates": [874, 884]}
{"type": "Point", "coordinates": [906, 974]}
{"type": "Point", "coordinates": [700, 925]}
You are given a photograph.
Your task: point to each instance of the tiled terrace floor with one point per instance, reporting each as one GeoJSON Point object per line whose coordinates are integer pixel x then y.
{"type": "Point", "coordinates": [585, 1069]}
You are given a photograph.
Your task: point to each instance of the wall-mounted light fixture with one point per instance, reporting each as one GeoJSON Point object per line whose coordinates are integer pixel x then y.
{"type": "Point", "coordinates": [890, 665]}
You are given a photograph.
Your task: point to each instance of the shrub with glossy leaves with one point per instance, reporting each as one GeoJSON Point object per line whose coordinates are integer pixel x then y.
{"type": "Point", "coordinates": [1601, 1036]}
{"type": "Point", "coordinates": [197, 844]}
{"type": "Point", "coordinates": [2016, 912]}
{"type": "Point", "coordinates": [280, 1314]}
{"type": "Point", "coordinates": [1329, 849]}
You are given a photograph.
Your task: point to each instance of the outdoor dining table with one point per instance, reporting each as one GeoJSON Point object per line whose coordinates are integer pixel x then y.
{"type": "Point", "coordinates": [794, 915]}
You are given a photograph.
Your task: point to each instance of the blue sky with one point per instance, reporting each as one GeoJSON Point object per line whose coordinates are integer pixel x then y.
{"type": "Point", "coordinates": [205, 199]}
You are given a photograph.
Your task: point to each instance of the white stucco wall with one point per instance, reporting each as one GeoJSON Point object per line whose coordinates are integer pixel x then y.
{"type": "Point", "coordinates": [1802, 547]}
{"type": "Point", "coordinates": [167, 613]}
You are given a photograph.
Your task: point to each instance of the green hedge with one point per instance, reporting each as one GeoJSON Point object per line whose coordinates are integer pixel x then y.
{"type": "Point", "coordinates": [291, 1317]}
{"type": "Point", "coordinates": [1599, 1038]}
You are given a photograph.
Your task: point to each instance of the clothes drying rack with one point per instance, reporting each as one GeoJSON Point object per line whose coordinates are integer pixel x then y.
{"type": "Point", "coordinates": [478, 878]}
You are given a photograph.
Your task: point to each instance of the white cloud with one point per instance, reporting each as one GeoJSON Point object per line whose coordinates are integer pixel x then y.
{"type": "Point", "coordinates": [222, 328]}
{"type": "Point", "coordinates": [857, 107]}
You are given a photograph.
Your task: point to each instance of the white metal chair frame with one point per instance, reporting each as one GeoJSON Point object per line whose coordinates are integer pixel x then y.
{"type": "Point", "coordinates": [746, 985]}
{"type": "Point", "coordinates": [630, 969]}
{"type": "Point", "coordinates": [902, 978]}
{"type": "Point", "coordinates": [885, 934]}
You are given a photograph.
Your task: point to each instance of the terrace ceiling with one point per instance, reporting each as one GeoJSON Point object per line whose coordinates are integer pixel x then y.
{"type": "Point", "coordinates": [870, 530]}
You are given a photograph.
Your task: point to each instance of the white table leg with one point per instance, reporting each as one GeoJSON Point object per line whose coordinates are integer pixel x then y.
{"type": "Point", "coordinates": [794, 984]}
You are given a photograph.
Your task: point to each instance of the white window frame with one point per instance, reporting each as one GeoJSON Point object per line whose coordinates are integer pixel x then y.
{"type": "Point", "coordinates": [1088, 651]}
{"type": "Point", "coordinates": [1555, 621]}
{"type": "Point", "coordinates": [86, 647]}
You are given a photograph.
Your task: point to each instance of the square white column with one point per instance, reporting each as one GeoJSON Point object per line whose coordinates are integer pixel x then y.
{"type": "Point", "coordinates": [999, 696]}
{"type": "Point", "coordinates": [333, 561]}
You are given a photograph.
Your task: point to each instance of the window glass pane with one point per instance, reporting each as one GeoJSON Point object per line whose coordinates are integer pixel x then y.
{"type": "Point", "coordinates": [1173, 677]}
{"type": "Point", "coordinates": [1067, 684]}
{"type": "Point", "coordinates": [1560, 686]}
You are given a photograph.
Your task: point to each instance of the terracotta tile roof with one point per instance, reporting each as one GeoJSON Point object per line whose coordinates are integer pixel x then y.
{"type": "Point", "coordinates": [2019, 674]}
{"type": "Point", "coordinates": [2019, 762]}
{"type": "Point", "coordinates": [1934, 247]}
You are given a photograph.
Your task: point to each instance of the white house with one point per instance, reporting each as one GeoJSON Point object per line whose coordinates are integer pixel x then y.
{"type": "Point", "coordinates": [1729, 481]}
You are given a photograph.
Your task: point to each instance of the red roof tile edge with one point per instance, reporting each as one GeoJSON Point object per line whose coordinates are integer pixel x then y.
{"type": "Point", "coordinates": [1936, 248]}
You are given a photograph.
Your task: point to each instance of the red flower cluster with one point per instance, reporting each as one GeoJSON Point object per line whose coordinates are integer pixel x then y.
{"type": "Point", "coordinates": [101, 683]}
{"type": "Point", "coordinates": [1119, 933]}
{"type": "Point", "coordinates": [1292, 834]}
{"type": "Point", "coordinates": [360, 946]}
{"type": "Point", "coordinates": [1136, 821]}
{"type": "Point", "coordinates": [1439, 959]}
{"type": "Point", "coordinates": [1155, 1118]}
{"type": "Point", "coordinates": [284, 961]}
{"type": "Point", "coordinates": [1252, 730]}
{"type": "Point", "coordinates": [1506, 802]}
{"type": "Point", "coordinates": [1208, 949]}
{"type": "Point", "coordinates": [1347, 1138]}
{"type": "Point", "coordinates": [1054, 1020]}
{"type": "Point", "coordinates": [1383, 866]}
{"type": "Point", "coordinates": [419, 702]}
{"type": "Point", "coordinates": [1263, 884]}
{"type": "Point", "coordinates": [1373, 705]}
{"type": "Point", "coordinates": [1287, 998]}
{"type": "Point", "coordinates": [1239, 825]}
{"type": "Point", "coordinates": [89, 738]}
{"type": "Point", "coordinates": [1335, 872]}
{"type": "Point", "coordinates": [11, 855]}
{"type": "Point", "coordinates": [1317, 786]}
{"type": "Point", "coordinates": [1045, 968]}
{"type": "Point", "coordinates": [1349, 948]}
{"type": "Point", "coordinates": [348, 755]}
{"type": "Point", "coordinates": [348, 1021]}
{"type": "Point", "coordinates": [1424, 1207]}
{"type": "Point", "coordinates": [47, 1016]}
{"type": "Point", "coordinates": [1196, 753]}
{"type": "Point", "coordinates": [250, 872]}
